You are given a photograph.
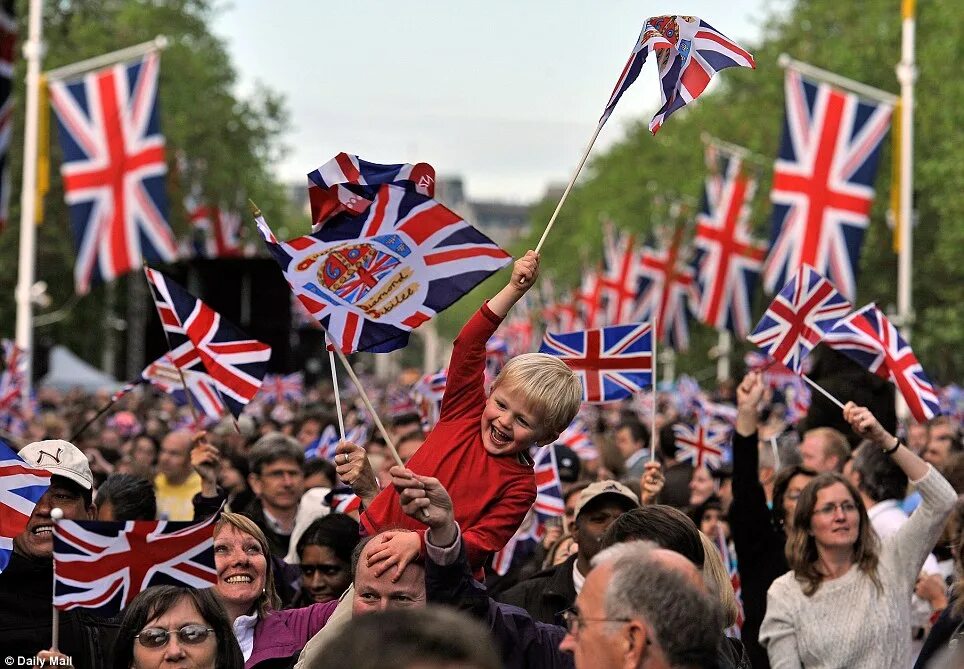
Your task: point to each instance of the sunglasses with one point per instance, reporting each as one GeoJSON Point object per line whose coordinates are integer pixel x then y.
{"type": "Point", "coordinates": [157, 637]}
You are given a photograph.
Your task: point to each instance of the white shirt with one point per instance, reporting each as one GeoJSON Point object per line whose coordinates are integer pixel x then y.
{"type": "Point", "coordinates": [577, 578]}
{"type": "Point", "coordinates": [244, 631]}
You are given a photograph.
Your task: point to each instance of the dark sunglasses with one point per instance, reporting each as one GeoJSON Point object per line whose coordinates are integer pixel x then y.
{"type": "Point", "coordinates": [157, 637]}
{"type": "Point", "coordinates": [323, 569]}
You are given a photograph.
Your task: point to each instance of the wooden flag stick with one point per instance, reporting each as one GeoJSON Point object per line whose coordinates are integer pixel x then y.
{"type": "Point", "coordinates": [816, 386]}
{"type": "Point", "coordinates": [654, 435]}
{"type": "Point", "coordinates": [334, 384]}
{"type": "Point", "coordinates": [100, 412]}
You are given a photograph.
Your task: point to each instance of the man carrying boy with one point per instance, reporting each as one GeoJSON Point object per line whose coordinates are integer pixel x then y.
{"type": "Point", "coordinates": [479, 448]}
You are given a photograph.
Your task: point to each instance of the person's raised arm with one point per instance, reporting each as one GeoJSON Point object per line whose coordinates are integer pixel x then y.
{"type": "Point", "coordinates": [748, 396]}
{"type": "Point", "coordinates": [863, 422]}
{"type": "Point", "coordinates": [524, 273]}
{"type": "Point", "coordinates": [352, 467]}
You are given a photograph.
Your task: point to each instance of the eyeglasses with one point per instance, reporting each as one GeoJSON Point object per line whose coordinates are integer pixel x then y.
{"type": "Point", "coordinates": [157, 637]}
{"type": "Point", "coordinates": [323, 569]}
{"type": "Point", "coordinates": [831, 509]}
{"type": "Point", "coordinates": [574, 620]}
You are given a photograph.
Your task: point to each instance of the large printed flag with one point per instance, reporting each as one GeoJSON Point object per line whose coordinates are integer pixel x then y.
{"type": "Point", "coordinates": [21, 487]}
{"type": "Point", "coordinates": [799, 316]}
{"type": "Point", "coordinates": [114, 169]}
{"type": "Point", "coordinates": [371, 275]}
{"type": "Point", "coordinates": [729, 260]}
{"type": "Point", "coordinates": [612, 363]}
{"type": "Point", "coordinates": [823, 182]}
{"type": "Point", "coordinates": [667, 291]}
{"type": "Point", "coordinates": [103, 565]}
{"type": "Point", "coordinates": [689, 52]}
{"type": "Point", "coordinates": [871, 339]}
{"type": "Point", "coordinates": [8, 42]}
{"type": "Point", "coordinates": [235, 363]}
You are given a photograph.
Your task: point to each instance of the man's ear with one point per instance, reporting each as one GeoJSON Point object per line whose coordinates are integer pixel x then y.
{"type": "Point", "coordinates": [637, 641]}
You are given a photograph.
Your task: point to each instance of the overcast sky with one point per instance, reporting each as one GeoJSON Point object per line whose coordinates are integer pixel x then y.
{"type": "Point", "coordinates": [505, 93]}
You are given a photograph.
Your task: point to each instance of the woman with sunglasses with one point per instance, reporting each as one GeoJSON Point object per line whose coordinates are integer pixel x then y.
{"type": "Point", "coordinates": [167, 625]}
{"type": "Point", "coordinates": [846, 600]}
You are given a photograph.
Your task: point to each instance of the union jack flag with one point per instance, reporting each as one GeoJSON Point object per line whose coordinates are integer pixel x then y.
{"type": "Point", "coordinates": [114, 170]}
{"type": "Point", "coordinates": [823, 182]}
{"type": "Point", "coordinates": [577, 437]}
{"type": "Point", "coordinates": [324, 446]}
{"type": "Point", "coordinates": [589, 300]}
{"type": "Point", "coordinates": [496, 353]}
{"type": "Point", "coordinates": [517, 329]}
{"type": "Point", "coordinates": [702, 445]}
{"type": "Point", "coordinates": [871, 339]}
{"type": "Point", "coordinates": [216, 233]}
{"type": "Point", "coordinates": [798, 398]}
{"type": "Point", "coordinates": [342, 500]}
{"type": "Point", "coordinates": [804, 311]}
{"type": "Point", "coordinates": [344, 184]}
{"type": "Point", "coordinates": [774, 373]}
{"type": "Point", "coordinates": [279, 388]}
{"type": "Point", "coordinates": [428, 393]}
{"type": "Point", "coordinates": [12, 377]}
{"type": "Point", "coordinates": [163, 375]}
{"type": "Point", "coordinates": [218, 348]}
{"type": "Point", "coordinates": [728, 259]}
{"type": "Point", "coordinates": [522, 542]}
{"type": "Point", "coordinates": [21, 487]}
{"type": "Point", "coordinates": [612, 363]}
{"type": "Point", "coordinates": [548, 502]}
{"type": "Point", "coordinates": [689, 52]}
{"type": "Point", "coordinates": [8, 41]}
{"type": "Point", "coordinates": [104, 565]}
{"type": "Point", "coordinates": [620, 276]}
{"type": "Point", "coordinates": [415, 258]}
{"type": "Point", "coordinates": [667, 290]}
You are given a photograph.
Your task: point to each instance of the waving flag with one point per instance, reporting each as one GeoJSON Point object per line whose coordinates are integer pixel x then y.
{"type": "Point", "coordinates": [612, 363]}
{"type": "Point", "coordinates": [163, 375]}
{"type": "Point", "coordinates": [278, 388]}
{"type": "Point", "coordinates": [620, 277]}
{"type": "Point", "coordinates": [218, 348]}
{"type": "Point", "coordinates": [577, 437]}
{"type": "Point", "coordinates": [345, 185]}
{"type": "Point", "coordinates": [215, 233]}
{"type": "Point", "coordinates": [667, 289]}
{"type": "Point", "coordinates": [371, 277]}
{"type": "Point", "coordinates": [689, 52]}
{"type": "Point", "coordinates": [804, 311]}
{"type": "Point", "coordinates": [104, 565]}
{"type": "Point", "coordinates": [114, 169]}
{"type": "Point", "coordinates": [12, 377]}
{"type": "Point", "coordinates": [823, 182]}
{"type": "Point", "coordinates": [21, 487]}
{"type": "Point", "coordinates": [589, 300]}
{"type": "Point", "coordinates": [871, 339]}
{"type": "Point", "coordinates": [8, 41]}
{"type": "Point", "coordinates": [548, 502]}
{"type": "Point", "coordinates": [427, 393]}
{"type": "Point", "coordinates": [729, 260]}
{"type": "Point", "coordinates": [702, 445]}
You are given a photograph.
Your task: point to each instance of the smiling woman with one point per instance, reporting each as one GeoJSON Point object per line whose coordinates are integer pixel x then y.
{"type": "Point", "coordinates": [246, 588]}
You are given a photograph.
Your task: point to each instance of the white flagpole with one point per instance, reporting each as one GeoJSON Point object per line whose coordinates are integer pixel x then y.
{"type": "Point", "coordinates": [653, 435]}
{"type": "Point", "coordinates": [33, 52]}
{"type": "Point", "coordinates": [723, 349]}
{"type": "Point", "coordinates": [56, 515]}
{"type": "Point", "coordinates": [334, 383]}
{"type": "Point", "coordinates": [834, 79]}
{"type": "Point", "coordinates": [129, 53]}
{"type": "Point", "coordinates": [906, 75]}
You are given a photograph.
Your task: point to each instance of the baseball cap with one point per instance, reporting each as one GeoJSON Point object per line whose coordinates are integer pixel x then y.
{"type": "Point", "coordinates": [60, 458]}
{"type": "Point", "coordinates": [600, 488]}
{"type": "Point", "coordinates": [567, 463]}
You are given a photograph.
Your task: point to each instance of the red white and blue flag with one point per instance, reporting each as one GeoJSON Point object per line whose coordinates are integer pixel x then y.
{"type": "Point", "coordinates": [215, 232]}
{"type": "Point", "coordinates": [103, 565]}
{"type": "Point", "coordinates": [620, 276]}
{"type": "Point", "coordinates": [667, 292]}
{"type": "Point", "coordinates": [8, 42]}
{"type": "Point", "coordinates": [342, 500]}
{"type": "Point", "coordinates": [871, 339]}
{"type": "Point", "coordinates": [428, 393]}
{"type": "Point", "coordinates": [13, 375]}
{"type": "Point", "coordinates": [163, 375]}
{"type": "Point", "coordinates": [689, 52]}
{"type": "Point", "coordinates": [589, 300]}
{"type": "Point", "coordinates": [235, 363]}
{"type": "Point", "coordinates": [21, 487]}
{"type": "Point", "coordinates": [578, 437]}
{"type": "Point", "coordinates": [702, 445]}
{"type": "Point", "coordinates": [728, 259]}
{"type": "Point", "coordinates": [549, 503]}
{"type": "Point", "coordinates": [279, 388]}
{"type": "Point", "coordinates": [823, 182]}
{"type": "Point", "coordinates": [371, 276]}
{"type": "Point", "coordinates": [800, 315]}
{"type": "Point", "coordinates": [612, 363]}
{"type": "Point", "coordinates": [114, 170]}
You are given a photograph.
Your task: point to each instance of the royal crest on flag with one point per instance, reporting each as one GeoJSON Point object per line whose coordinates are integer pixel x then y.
{"type": "Point", "coordinates": [103, 565]}
{"type": "Point", "coordinates": [869, 338]}
{"type": "Point", "coordinates": [799, 316]}
{"type": "Point", "coordinates": [21, 487]}
{"type": "Point", "coordinates": [114, 170]}
{"type": "Point", "coordinates": [612, 363]}
{"type": "Point", "coordinates": [823, 182]}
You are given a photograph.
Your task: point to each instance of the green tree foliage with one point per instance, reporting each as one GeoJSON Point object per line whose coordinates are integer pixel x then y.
{"type": "Point", "coordinates": [228, 144]}
{"type": "Point", "coordinates": [631, 182]}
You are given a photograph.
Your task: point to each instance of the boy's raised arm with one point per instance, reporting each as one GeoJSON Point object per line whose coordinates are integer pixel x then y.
{"type": "Point", "coordinates": [524, 273]}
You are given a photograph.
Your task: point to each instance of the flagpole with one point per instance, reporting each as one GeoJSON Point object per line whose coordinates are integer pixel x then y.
{"type": "Point", "coordinates": [819, 388]}
{"type": "Point", "coordinates": [56, 514]}
{"type": "Point", "coordinates": [653, 435]}
{"type": "Point", "coordinates": [33, 52]}
{"type": "Point", "coordinates": [834, 79]}
{"type": "Point", "coordinates": [100, 412]}
{"type": "Point", "coordinates": [334, 384]}
{"type": "Point", "coordinates": [159, 43]}
{"type": "Point", "coordinates": [565, 193]}
{"type": "Point", "coordinates": [906, 75]}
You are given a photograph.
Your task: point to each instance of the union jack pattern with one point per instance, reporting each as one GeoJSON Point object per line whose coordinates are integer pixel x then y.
{"type": "Point", "coordinates": [871, 339]}
{"type": "Point", "coordinates": [278, 388]}
{"type": "Point", "coordinates": [234, 363]}
{"type": "Point", "coordinates": [702, 445]}
{"type": "Point", "coordinates": [620, 275]}
{"type": "Point", "coordinates": [612, 363]}
{"type": "Point", "coordinates": [103, 565]}
{"type": "Point", "coordinates": [823, 182]}
{"type": "Point", "coordinates": [728, 260]}
{"type": "Point", "coordinates": [21, 487]}
{"type": "Point", "coordinates": [12, 377]}
{"type": "Point", "coordinates": [589, 300]}
{"type": "Point", "coordinates": [548, 502]}
{"type": "Point", "coordinates": [215, 232]}
{"type": "Point", "coordinates": [163, 375]}
{"type": "Point", "coordinates": [8, 42]}
{"type": "Point", "coordinates": [578, 437]}
{"type": "Point", "coordinates": [428, 393]}
{"type": "Point", "coordinates": [342, 500]}
{"type": "Point", "coordinates": [667, 291]}
{"type": "Point", "coordinates": [439, 258]}
{"type": "Point", "coordinates": [804, 311]}
{"type": "Point", "coordinates": [113, 170]}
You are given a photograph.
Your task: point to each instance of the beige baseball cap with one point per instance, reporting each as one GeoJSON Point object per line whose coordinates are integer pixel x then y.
{"type": "Point", "coordinates": [600, 488]}
{"type": "Point", "coordinates": [60, 458]}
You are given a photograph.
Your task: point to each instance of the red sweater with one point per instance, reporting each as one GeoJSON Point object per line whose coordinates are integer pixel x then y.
{"type": "Point", "coordinates": [490, 494]}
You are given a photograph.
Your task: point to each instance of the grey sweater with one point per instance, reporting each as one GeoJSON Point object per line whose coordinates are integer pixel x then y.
{"type": "Point", "coordinates": [847, 622]}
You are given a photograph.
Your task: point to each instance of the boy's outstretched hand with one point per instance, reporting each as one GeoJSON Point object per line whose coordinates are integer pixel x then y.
{"type": "Point", "coordinates": [524, 273]}
{"type": "Point", "coordinates": [427, 501]}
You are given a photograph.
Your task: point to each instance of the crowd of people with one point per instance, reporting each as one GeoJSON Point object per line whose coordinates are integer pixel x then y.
{"type": "Point", "coordinates": [814, 549]}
